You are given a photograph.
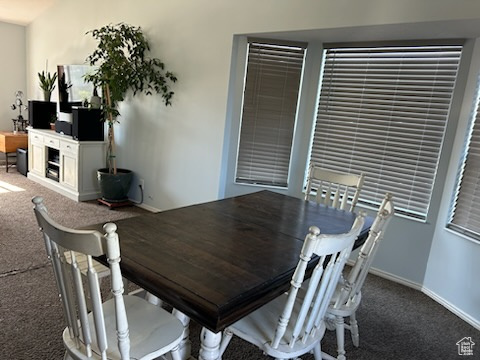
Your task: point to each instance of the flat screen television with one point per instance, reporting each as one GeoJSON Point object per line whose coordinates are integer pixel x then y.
{"type": "Point", "coordinates": [72, 89]}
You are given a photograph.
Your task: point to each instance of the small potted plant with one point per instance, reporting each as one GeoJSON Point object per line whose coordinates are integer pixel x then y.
{"type": "Point", "coordinates": [52, 120]}
{"type": "Point", "coordinates": [47, 84]}
{"type": "Point", "coordinates": [122, 64]}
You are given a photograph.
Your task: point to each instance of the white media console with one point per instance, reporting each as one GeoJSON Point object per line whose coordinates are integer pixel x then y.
{"type": "Point", "coordinates": [64, 165]}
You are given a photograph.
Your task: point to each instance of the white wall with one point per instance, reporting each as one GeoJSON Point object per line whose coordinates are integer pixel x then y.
{"type": "Point", "coordinates": [12, 72]}
{"type": "Point", "coordinates": [169, 146]}
{"type": "Point", "coordinates": [178, 150]}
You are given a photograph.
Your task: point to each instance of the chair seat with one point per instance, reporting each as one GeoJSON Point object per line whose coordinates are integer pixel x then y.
{"type": "Point", "coordinates": [345, 309]}
{"type": "Point", "coordinates": [153, 330]}
{"type": "Point", "coordinates": [257, 327]}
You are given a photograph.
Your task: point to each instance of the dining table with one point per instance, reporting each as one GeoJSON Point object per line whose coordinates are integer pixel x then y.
{"type": "Point", "coordinates": [218, 261]}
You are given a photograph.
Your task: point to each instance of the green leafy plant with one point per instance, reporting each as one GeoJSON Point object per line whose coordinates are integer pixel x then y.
{"type": "Point", "coordinates": [122, 65]}
{"type": "Point", "coordinates": [47, 83]}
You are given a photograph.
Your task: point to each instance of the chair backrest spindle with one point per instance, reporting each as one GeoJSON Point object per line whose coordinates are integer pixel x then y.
{"type": "Point", "coordinates": [358, 273]}
{"type": "Point", "coordinates": [333, 188]}
{"type": "Point", "coordinates": [113, 256]}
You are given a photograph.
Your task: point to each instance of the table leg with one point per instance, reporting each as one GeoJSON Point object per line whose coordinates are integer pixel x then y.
{"type": "Point", "coordinates": [210, 345]}
{"type": "Point", "coordinates": [6, 160]}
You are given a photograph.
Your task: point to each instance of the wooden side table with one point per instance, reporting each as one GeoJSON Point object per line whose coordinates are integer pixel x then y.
{"type": "Point", "coordinates": [10, 142]}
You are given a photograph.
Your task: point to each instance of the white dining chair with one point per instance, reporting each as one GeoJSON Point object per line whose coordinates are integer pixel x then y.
{"type": "Point", "coordinates": [124, 327]}
{"type": "Point", "coordinates": [293, 325]}
{"type": "Point", "coordinates": [348, 295]}
{"type": "Point", "coordinates": [333, 188]}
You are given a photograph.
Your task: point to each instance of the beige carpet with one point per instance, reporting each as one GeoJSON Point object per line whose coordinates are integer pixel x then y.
{"type": "Point", "coordinates": [17, 220]}
{"type": "Point", "coordinates": [396, 322]}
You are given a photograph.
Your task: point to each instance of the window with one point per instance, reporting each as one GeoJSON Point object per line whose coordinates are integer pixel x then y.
{"type": "Point", "coordinates": [382, 111]}
{"type": "Point", "coordinates": [465, 215]}
{"type": "Point", "coordinates": [269, 111]}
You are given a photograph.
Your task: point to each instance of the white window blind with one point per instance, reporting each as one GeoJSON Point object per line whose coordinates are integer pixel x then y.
{"type": "Point", "coordinates": [382, 112]}
{"type": "Point", "coordinates": [269, 111]}
{"type": "Point", "coordinates": [465, 216]}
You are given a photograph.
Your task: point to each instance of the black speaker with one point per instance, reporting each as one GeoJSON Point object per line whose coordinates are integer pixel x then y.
{"type": "Point", "coordinates": [22, 161]}
{"type": "Point", "coordinates": [63, 127]}
{"type": "Point", "coordinates": [87, 124]}
{"type": "Point", "coordinates": [41, 113]}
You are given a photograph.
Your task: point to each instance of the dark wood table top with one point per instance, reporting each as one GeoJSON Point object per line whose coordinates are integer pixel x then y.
{"type": "Point", "coordinates": [218, 261]}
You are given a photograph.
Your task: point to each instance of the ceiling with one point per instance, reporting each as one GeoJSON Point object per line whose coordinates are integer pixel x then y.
{"type": "Point", "coordinates": [22, 12]}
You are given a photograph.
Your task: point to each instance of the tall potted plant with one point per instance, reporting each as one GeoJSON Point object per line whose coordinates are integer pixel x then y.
{"type": "Point", "coordinates": [122, 65]}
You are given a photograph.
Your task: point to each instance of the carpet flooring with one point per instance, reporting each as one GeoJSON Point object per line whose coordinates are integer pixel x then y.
{"type": "Point", "coordinates": [396, 322]}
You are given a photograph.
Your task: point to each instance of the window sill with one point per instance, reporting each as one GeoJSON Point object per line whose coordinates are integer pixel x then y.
{"type": "Point", "coordinates": [462, 235]}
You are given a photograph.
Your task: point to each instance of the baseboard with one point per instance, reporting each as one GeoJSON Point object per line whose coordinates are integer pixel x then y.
{"type": "Point", "coordinates": [395, 278]}
{"type": "Point", "coordinates": [63, 190]}
{"type": "Point", "coordinates": [147, 207]}
{"type": "Point", "coordinates": [461, 314]}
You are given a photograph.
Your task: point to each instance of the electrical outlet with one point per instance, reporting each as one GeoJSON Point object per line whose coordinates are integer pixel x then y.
{"type": "Point", "coordinates": [141, 183]}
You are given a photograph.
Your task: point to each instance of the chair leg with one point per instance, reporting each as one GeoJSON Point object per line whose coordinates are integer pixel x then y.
{"type": "Point", "coordinates": [317, 351]}
{"type": "Point", "coordinates": [326, 356]}
{"type": "Point", "coordinates": [185, 346]}
{"type": "Point", "coordinates": [175, 353]}
{"type": "Point", "coordinates": [152, 299]}
{"type": "Point", "coordinates": [227, 336]}
{"type": "Point", "coordinates": [318, 354]}
{"type": "Point", "coordinates": [354, 330]}
{"type": "Point", "coordinates": [340, 331]}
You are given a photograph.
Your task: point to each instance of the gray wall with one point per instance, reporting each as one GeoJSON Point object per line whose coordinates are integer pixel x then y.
{"type": "Point", "coordinates": [453, 264]}
{"type": "Point", "coordinates": [12, 71]}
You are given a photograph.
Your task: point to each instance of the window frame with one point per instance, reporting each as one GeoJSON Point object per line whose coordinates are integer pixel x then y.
{"type": "Point", "coordinates": [473, 124]}
{"type": "Point", "coordinates": [239, 157]}
{"type": "Point", "coordinates": [456, 42]}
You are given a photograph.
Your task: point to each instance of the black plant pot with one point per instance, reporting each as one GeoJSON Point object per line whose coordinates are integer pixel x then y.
{"type": "Point", "coordinates": [114, 187]}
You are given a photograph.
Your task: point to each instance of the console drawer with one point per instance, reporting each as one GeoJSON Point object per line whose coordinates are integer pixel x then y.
{"type": "Point", "coordinates": [51, 142]}
{"type": "Point", "coordinates": [68, 147]}
{"type": "Point", "coordinates": [36, 139]}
